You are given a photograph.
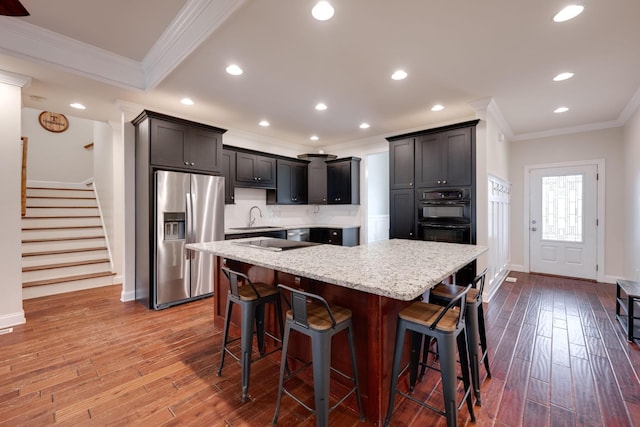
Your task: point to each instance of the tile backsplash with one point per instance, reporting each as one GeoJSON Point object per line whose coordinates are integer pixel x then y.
{"type": "Point", "coordinates": [237, 215]}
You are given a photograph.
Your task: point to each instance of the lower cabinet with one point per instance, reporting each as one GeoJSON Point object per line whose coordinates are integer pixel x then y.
{"type": "Point", "coordinates": [403, 214]}
{"type": "Point", "coordinates": [279, 234]}
{"type": "Point", "coordinates": [336, 236]}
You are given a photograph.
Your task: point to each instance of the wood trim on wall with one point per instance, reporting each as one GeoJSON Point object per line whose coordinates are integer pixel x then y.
{"type": "Point", "coordinates": [25, 143]}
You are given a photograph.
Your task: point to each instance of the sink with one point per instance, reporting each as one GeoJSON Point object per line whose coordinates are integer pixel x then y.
{"type": "Point", "coordinates": [255, 227]}
{"type": "Point", "coordinates": [276, 245]}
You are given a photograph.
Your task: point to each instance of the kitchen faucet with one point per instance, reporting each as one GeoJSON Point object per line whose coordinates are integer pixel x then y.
{"type": "Point", "coordinates": [253, 220]}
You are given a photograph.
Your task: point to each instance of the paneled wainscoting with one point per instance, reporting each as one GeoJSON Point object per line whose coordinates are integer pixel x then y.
{"type": "Point", "coordinates": [84, 358]}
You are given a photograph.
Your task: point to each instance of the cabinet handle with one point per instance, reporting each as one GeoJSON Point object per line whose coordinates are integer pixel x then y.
{"type": "Point", "coordinates": [192, 163]}
{"type": "Point", "coordinates": [444, 182]}
{"type": "Point", "coordinates": [259, 179]}
{"type": "Point", "coordinates": [439, 182]}
{"type": "Point", "coordinates": [186, 163]}
{"type": "Point", "coordinates": [410, 233]}
{"type": "Point", "coordinates": [411, 184]}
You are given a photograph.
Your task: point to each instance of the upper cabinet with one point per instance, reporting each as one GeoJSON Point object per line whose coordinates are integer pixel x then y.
{"type": "Point", "coordinates": [229, 173]}
{"type": "Point", "coordinates": [254, 170]}
{"type": "Point", "coordinates": [291, 183]}
{"type": "Point", "coordinates": [180, 144]}
{"type": "Point", "coordinates": [444, 159]}
{"type": "Point", "coordinates": [343, 181]}
{"type": "Point", "coordinates": [401, 161]}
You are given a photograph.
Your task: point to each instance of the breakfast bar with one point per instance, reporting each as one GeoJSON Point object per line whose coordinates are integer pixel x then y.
{"type": "Point", "coordinates": [375, 281]}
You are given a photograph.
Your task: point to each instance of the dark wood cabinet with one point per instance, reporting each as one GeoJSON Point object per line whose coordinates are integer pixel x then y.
{"type": "Point", "coordinates": [317, 173]}
{"type": "Point", "coordinates": [229, 173]}
{"type": "Point", "coordinates": [444, 159]}
{"type": "Point", "coordinates": [401, 164]}
{"type": "Point", "coordinates": [343, 181]}
{"type": "Point", "coordinates": [254, 170]}
{"type": "Point", "coordinates": [183, 145]}
{"type": "Point", "coordinates": [291, 180]}
{"type": "Point", "coordinates": [402, 210]}
{"type": "Point", "coordinates": [349, 236]}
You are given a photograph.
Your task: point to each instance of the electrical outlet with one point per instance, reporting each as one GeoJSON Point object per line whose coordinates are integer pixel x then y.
{"type": "Point", "coordinates": [511, 279]}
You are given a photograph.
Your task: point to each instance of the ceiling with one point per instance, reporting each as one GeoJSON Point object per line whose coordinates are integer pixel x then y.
{"type": "Point", "coordinates": [133, 54]}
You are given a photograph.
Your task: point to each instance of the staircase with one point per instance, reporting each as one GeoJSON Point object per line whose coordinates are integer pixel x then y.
{"type": "Point", "coordinates": [63, 242]}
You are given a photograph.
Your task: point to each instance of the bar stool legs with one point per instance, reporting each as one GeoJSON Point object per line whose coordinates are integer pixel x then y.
{"type": "Point", "coordinates": [448, 328]}
{"type": "Point", "coordinates": [253, 298]}
{"type": "Point", "coordinates": [324, 322]}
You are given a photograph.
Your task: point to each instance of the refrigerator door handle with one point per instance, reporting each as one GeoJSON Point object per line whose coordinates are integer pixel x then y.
{"type": "Point", "coordinates": [189, 231]}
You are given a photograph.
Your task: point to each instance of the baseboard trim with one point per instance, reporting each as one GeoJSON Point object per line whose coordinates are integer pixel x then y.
{"type": "Point", "coordinates": [12, 319]}
{"type": "Point", "coordinates": [127, 295]}
{"type": "Point", "coordinates": [517, 267]}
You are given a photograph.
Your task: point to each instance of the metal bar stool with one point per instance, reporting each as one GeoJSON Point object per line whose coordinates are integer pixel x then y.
{"type": "Point", "coordinates": [252, 297]}
{"type": "Point", "coordinates": [311, 315]}
{"type": "Point", "coordinates": [442, 294]}
{"type": "Point", "coordinates": [446, 325]}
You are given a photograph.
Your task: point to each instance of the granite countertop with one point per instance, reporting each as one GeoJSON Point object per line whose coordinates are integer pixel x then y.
{"type": "Point", "coordinates": [263, 228]}
{"type": "Point", "coordinates": [397, 268]}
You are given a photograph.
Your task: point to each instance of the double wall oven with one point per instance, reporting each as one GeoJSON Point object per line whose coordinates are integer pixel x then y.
{"type": "Point", "coordinates": [445, 215]}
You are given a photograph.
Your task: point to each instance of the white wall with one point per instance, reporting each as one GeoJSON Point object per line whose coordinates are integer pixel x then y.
{"type": "Point", "coordinates": [58, 157]}
{"type": "Point", "coordinates": [103, 172]}
{"type": "Point", "coordinates": [604, 144]}
{"type": "Point", "coordinates": [11, 312]}
{"type": "Point", "coordinates": [631, 149]}
{"type": "Point", "coordinates": [377, 188]}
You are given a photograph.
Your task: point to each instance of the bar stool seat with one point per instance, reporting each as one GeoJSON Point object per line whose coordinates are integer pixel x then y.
{"type": "Point", "coordinates": [311, 315]}
{"type": "Point", "coordinates": [252, 298]}
{"type": "Point", "coordinates": [445, 325]}
{"type": "Point", "coordinates": [476, 331]}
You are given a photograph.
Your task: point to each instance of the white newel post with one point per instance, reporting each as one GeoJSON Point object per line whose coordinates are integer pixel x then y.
{"type": "Point", "coordinates": [11, 312]}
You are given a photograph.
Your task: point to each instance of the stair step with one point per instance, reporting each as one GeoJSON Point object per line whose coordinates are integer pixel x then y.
{"type": "Point", "coordinates": [65, 264]}
{"type": "Point", "coordinates": [66, 279]}
{"type": "Point", "coordinates": [51, 222]}
{"type": "Point", "coordinates": [69, 227]}
{"type": "Point", "coordinates": [62, 239]}
{"type": "Point", "coordinates": [70, 212]}
{"type": "Point", "coordinates": [64, 269]}
{"type": "Point", "coordinates": [63, 256]}
{"type": "Point", "coordinates": [65, 232]}
{"type": "Point", "coordinates": [64, 251]}
{"type": "Point", "coordinates": [62, 197]}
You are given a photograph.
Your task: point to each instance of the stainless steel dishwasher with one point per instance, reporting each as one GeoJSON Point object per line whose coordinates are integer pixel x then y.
{"type": "Point", "coordinates": [299, 234]}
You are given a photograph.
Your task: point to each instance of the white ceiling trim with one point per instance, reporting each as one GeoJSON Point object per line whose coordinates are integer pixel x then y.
{"type": "Point", "coordinates": [13, 79]}
{"type": "Point", "coordinates": [27, 41]}
{"type": "Point", "coordinates": [631, 108]}
{"type": "Point", "coordinates": [197, 20]}
{"type": "Point", "coordinates": [564, 131]}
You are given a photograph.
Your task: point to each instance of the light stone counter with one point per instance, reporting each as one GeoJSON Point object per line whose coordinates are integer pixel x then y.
{"type": "Point", "coordinates": [399, 269]}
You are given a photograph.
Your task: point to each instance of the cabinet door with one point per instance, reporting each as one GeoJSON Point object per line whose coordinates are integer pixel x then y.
{"type": "Point", "coordinates": [338, 183]}
{"type": "Point", "coordinates": [229, 173]}
{"type": "Point", "coordinates": [401, 164]}
{"type": "Point", "coordinates": [317, 172]}
{"type": "Point", "coordinates": [299, 184]}
{"type": "Point", "coordinates": [403, 213]}
{"type": "Point", "coordinates": [265, 170]}
{"type": "Point", "coordinates": [457, 145]}
{"type": "Point", "coordinates": [204, 150]}
{"type": "Point", "coordinates": [245, 168]}
{"type": "Point", "coordinates": [429, 161]}
{"type": "Point", "coordinates": [167, 143]}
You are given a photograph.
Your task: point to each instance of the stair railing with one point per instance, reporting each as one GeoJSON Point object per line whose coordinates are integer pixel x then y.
{"type": "Point", "coordinates": [25, 142]}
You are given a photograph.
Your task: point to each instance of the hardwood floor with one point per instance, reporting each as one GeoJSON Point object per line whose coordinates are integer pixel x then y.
{"type": "Point", "coordinates": [558, 358]}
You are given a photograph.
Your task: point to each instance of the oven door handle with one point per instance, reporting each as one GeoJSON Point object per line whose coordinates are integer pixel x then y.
{"type": "Point", "coordinates": [447, 203]}
{"type": "Point", "coordinates": [451, 226]}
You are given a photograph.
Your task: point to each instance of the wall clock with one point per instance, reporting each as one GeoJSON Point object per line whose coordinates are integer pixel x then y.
{"type": "Point", "coordinates": [53, 122]}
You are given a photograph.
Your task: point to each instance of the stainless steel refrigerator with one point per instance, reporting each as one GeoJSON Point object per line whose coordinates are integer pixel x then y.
{"type": "Point", "coordinates": [189, 208]}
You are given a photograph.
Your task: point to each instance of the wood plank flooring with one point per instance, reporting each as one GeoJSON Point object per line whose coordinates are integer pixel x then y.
{"type": "Point", "coordinates": [558, 358]}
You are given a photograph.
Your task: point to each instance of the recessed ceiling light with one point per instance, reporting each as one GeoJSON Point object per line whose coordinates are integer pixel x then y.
{"type": "Point", "coordinates": [186, 101]}
{"type": "Point", "coordinates": [568, 13]}
{"type": "Point", "coordinates": [314, 137]}
{"type": "Point", "coordinates": [264, 123]}
{"type": "Point", "coordinates": [364, 126]}
{"type": "Point", "coordinates": [322, 11]}
{"type": "Point", "coordinates": [561, 109]}
{"type": "Point", "coordinates": [78, 106]}
{"type": "Point", "coordinates": [234, 70]}
{"type": "Point", "coordinates": [321, 106]}
{"type": "Point", "coordinates": [562, 76]}
{"type": "Point", "coordinates": [437, 107]}
{"type": "Point", "coordinates": [399, 75]}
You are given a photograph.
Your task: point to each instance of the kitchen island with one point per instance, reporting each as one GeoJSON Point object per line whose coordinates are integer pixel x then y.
{"type": "Point", "coordinates": [375, 281]}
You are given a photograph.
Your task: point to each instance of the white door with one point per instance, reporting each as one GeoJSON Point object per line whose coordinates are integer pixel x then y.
{"type": "Point", "coordinates": [563, 221]}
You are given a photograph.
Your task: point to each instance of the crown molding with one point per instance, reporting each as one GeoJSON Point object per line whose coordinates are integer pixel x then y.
{"type": "Point", "coordinates": [197, 20]}
{"type": "Point", "coordinates": [14, 79]}
{"type": "Point", "coordinates": [490, 106]}
{"type": "Point", "coordinates": [23, 40]}
{"type": "Point", "coordinates": [565, 131]}
{"type": "Point", "coordinates": [631, 107]}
